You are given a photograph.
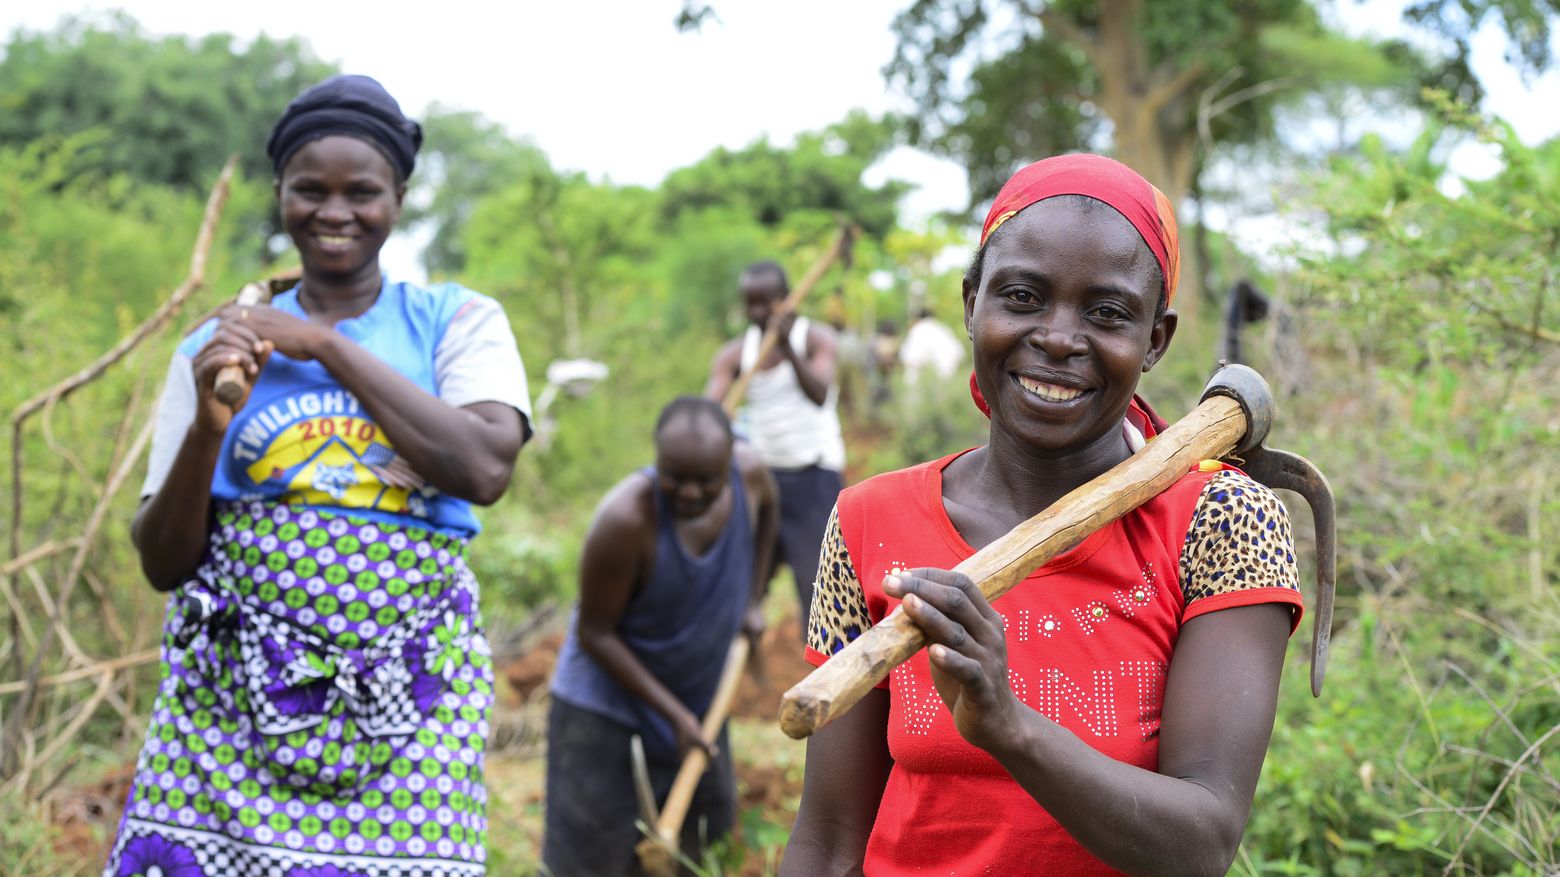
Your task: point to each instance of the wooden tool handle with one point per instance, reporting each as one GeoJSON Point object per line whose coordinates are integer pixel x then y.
{"type": "Point", "coordinates": [771, 337]}
{"type": "Point", "coordinates": [231, 382]}
{"type": "Point", "coordinates": [1211, 431]}
{"type": "Point", "coordinates": [675, 810]}
{"type": "Point", "coordinates": [653, 851]}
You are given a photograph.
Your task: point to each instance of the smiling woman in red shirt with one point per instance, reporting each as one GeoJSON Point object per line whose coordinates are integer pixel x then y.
{"type": "Point", "coordinates": [1112, 712]}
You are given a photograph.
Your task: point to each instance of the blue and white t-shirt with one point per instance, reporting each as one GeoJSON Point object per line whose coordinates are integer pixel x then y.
{"type": "Point", "coordinates": [303, 439]}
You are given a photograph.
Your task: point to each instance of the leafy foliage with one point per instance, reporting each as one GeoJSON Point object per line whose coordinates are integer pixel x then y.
{"type": "Point", "coordinates": [177, 106]}
{"type": "Point", "coordinates": [464, 157]}
{"type": "Point", "coordinates": [1165, 82]}
{"type": "Point", "coordinates": [170, 109]}
{"type": "Point", "coordinates": [769, 183]}
{"type": "Point", "coordinates": [1435, 745]}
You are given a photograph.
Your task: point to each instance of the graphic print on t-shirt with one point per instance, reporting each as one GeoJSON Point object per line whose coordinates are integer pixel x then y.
{"type": "Point", "coordinates": [316, 446]}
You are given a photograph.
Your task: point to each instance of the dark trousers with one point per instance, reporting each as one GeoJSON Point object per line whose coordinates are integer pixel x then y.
{"type": "Point", "coordinates": [806, 498]}
{"type": "Point", "coordinates": [591, 806]}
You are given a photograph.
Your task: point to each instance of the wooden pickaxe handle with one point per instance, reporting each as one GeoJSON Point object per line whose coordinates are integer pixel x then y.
{"type": "Point", "coordinates": [1211, 431]}
{"type": "Point", "coordinates": [231, 380]}
{"type": "Point", "coordinates": [656, 853]}
{"type": "Point", "coordinates": [771, 337]}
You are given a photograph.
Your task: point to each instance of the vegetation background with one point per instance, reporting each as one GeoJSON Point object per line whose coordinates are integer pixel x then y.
{"type": "Point", "coordinates": [1413, 334]}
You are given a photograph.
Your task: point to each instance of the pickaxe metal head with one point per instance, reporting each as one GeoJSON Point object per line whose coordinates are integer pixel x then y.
{"type": "Point", "coordinates": [648, 811]}
{"type": "Point", "coordinates": [1283, 470]}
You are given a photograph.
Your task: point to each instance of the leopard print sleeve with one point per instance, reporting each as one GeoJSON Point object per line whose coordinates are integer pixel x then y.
{"type": "Point", "coordinates": [839, 608]}
{"type": "Point", "coordinates": [1239, 541]}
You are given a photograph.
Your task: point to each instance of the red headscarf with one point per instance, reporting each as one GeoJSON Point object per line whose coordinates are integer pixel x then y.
{"type": "Point", "coordinates": [1115, 184]}
{"type": "Point", "coordinates": [1102, 179]}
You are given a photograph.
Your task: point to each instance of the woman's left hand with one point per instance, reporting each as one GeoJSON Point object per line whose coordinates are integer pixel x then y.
{"type": "Point", "coordinates": [968, 651]}
{"type": "Point", "coordinates": [277, 329]}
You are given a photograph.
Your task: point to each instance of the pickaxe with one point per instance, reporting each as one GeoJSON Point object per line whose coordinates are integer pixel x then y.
{"type": "Point", "coordinates": [1231, 423]}
{"type": "Point", "coordinates": [658, 851]}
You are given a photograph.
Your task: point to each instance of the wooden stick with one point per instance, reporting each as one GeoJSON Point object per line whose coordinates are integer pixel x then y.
{"type": "Point", "coordinates": [134, 659]}
{"type": "Point", "coordinates": [1209, 432]}
{"type": "Point", "coordinates": [231, 381]}
{"type": "Point", "coordinates": [657, 854]}
{"type": "Point", "coordinates": [771, 338]}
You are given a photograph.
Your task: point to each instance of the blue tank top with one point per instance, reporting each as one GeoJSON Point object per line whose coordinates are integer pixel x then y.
{"type": "Point", "coordinates": [679, 624]}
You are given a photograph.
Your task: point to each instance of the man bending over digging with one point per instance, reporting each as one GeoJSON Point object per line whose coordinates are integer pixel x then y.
{"type": "Point", "coordinates": [673, 569]}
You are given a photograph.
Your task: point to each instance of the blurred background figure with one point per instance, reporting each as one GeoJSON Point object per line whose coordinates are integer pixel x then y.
{"type": "Point", "coordinates": [790, 416]}
{"type": "Point", "coordinates": [930, 345]}
{"type": "Point", "coordinates": [675, 564]}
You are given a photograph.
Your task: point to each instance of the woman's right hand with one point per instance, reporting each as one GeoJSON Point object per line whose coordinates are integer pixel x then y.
{"type": "Point", "coordinates": [690, 736]}
{"type": "Point", "coordinates": [229, 346]}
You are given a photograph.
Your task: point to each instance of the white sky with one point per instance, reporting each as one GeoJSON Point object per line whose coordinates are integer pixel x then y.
{"type": "Point", "coordinates": [613, 89]}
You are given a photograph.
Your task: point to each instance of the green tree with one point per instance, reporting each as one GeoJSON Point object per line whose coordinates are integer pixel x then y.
{"type": "Point", "coordinates": [174, 108]}
{"type": "Point", "coordinates": [821, 172]}
{"type": "Point", "coordinates": [567, 253]}
{"type": "Point", "coordinates": [1527, 23]}
{"type": "Point", "coordinates": [465, 157]}
{"type": "Point", "coordinates": [1430, 310]}
{"type": "Point", "coordinates": [177, 106]}
{"type": "Point", "coordinates": [1161, 79]}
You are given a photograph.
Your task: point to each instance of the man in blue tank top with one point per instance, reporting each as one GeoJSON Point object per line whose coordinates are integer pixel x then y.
{"type": "Point", "coordinates": [674, 566]}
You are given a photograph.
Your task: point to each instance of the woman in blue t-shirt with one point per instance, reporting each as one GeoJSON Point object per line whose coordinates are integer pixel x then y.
{"type": "Point", "coordinates": [326, 682]}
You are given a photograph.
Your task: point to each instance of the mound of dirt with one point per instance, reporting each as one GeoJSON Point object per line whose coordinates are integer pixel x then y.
{"type": "Point", "coordinates": [774, 667]}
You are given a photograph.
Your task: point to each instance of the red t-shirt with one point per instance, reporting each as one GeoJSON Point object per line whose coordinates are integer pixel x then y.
{"type": "Point", "coordinates": [1089, 639]}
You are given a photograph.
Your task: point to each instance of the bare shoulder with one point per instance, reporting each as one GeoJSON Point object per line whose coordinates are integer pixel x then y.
{"type": "Point", "coordinates": [745, 457]}
{"type": "Point", "coordinates": [819, 332]}
{"type": "Point", "coordinates": [729, 352]}
{"type": "Point", "coordinates": [754, 473]}
{"type": "Point", "coordinates": [626, 512]}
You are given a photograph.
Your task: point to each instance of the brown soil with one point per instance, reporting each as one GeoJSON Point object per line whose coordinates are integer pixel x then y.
{"type": "Point", "coordinates": [85, 816]}
{"type": "Point", "coordinates": [776, 666]}
{"type": "Point", "coordinates": [529, 673]}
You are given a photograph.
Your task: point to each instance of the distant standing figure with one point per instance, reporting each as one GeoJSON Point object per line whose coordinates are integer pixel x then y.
{"type": "Point", "coordinates": [930, 345]}
{"type": "Point", "coordinates": [791, 417]}
{"type": "Point", "coordinates": [673, 569]}
{"type": "Point", "coordinates": [885, 360]}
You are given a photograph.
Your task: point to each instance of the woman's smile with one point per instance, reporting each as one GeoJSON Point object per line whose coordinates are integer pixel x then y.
{"type": "Point", "coordinates": [334, 242]}
{"type": "Point", "coordinates": [1048, 392]}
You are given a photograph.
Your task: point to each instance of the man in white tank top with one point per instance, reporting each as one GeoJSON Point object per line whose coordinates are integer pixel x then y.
{"type": "Point", "coordinates": [790, 417]}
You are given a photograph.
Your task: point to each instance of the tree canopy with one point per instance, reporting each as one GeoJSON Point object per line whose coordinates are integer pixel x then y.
{"type": "Point", "coordinates": [1151, 82]}
{"type": "Point", "coordinates": [177, 105]}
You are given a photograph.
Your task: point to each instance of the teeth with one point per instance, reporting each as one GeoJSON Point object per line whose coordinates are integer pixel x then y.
{"type": "Point", "coordinates": [333, 240]}
{"type": "Point", "coordinates": [1050, 392]}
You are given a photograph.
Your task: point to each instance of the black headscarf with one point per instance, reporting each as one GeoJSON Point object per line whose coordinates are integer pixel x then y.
{"type": "Point", "coordinates": [356, 106]}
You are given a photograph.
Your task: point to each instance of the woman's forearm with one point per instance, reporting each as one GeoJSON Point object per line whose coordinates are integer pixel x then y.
{"type": "Point", "coordinates": [456, 450]}
{"type": "Point", "coordinates": [1135, 820]}
{"type": "Point", "coordinates": [171, 528]}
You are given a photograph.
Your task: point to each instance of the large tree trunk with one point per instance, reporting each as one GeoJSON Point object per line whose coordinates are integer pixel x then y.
{"type": "Point", "coordinates": [1153, 134]}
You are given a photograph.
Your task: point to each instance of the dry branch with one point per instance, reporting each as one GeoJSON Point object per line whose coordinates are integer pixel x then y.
{"type": "Point", "coordinates": [35, 554]}
{"type": "Point", "coordinates": [145, 656]}
{"type": "Point", "coordinates": [194, 281]}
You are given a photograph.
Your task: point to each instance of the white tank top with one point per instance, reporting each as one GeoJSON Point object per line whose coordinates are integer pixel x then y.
{"type": "Point", "coordinates": [787, 429]}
